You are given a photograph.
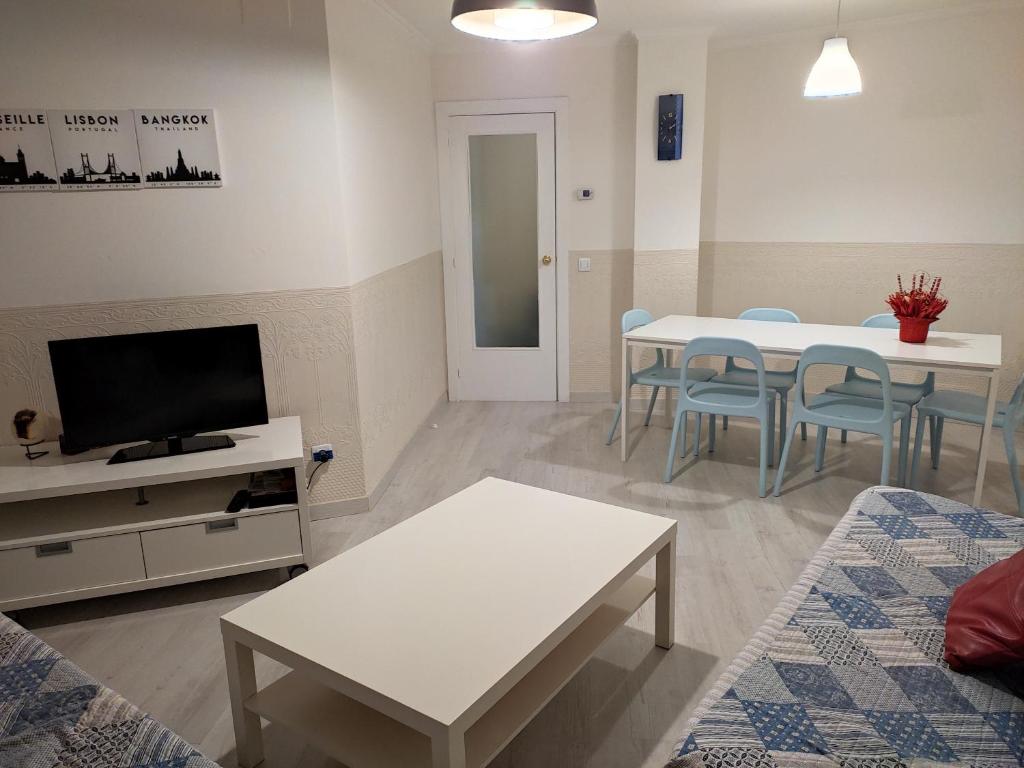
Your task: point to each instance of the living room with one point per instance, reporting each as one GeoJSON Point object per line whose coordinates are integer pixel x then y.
{"type": "Point", "coordinates": [504, 257]}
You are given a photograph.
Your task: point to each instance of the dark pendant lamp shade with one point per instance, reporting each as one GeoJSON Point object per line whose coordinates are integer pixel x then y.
{"type": "Point", "coordinates": [524, 19]}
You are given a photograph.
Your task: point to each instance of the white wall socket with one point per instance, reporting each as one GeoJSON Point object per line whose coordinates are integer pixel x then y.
{"type": "Point", "coordinates": [318, 448]}
{"type": "Point", "coordinates": [583, 265]}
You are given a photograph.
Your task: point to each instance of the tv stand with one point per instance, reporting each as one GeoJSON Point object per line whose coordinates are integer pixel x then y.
{"type": "Point", "coordinates": [172, 446]}
{"type": "Point", "coordinates": [71, 527]}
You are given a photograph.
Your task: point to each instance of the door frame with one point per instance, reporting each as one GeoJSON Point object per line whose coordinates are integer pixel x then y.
{"type": "Point", "coordinates": [559, 107]}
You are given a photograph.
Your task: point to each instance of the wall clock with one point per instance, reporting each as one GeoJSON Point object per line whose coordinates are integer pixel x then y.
{"type": "Point", "coordinates": [670, 126]}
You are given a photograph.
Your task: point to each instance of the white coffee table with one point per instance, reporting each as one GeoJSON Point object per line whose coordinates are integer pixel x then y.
{"type": "Point", "coordinates": [437, 641]}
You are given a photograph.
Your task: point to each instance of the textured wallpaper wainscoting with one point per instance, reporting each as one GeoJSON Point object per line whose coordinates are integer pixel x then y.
{"type": "Point", "coordinates": [401, 364]}
{"type": "Point", "coordinates": [308, 358]}
{"type": "Point", "coordinates": [842, 283]}
{"type": "Point", "coordinates": [597, 300]}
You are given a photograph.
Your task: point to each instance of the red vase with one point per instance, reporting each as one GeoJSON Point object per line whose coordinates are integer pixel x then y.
{"type": "Point", "coordinates": [914, 330]}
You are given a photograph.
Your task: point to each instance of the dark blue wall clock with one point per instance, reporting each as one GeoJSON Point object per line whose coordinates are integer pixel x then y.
{"type": "Point", "coordinates": [670, 126]}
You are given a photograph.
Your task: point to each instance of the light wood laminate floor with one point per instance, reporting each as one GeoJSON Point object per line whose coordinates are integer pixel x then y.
{"type": "Point", "coordinates": [737, 555]}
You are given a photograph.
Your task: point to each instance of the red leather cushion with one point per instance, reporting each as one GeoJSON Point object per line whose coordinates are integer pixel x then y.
{"type": "Point", "coordinates": [985, 623]}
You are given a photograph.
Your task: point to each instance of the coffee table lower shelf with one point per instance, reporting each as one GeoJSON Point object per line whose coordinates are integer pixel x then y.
{"type": "Point", "coordinates": [361, 737]}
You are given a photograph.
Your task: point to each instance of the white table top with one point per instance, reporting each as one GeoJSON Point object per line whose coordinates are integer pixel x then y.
{"type": "Point", "coordinates": [266, 446]}
{"type": "Point", "coordinates": [942, 350]}
{"type": "Point", "coordinates": [435, 612]}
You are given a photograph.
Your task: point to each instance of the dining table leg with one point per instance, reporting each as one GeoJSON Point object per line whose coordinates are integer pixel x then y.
{"type": "Point", "coordinates": [986, 435]}
{"type": "Point", "coordinates": [626, 393]}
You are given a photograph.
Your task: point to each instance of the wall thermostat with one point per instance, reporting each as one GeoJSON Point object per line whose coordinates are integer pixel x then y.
{"type": "Point", "coordinates": [585, 193]}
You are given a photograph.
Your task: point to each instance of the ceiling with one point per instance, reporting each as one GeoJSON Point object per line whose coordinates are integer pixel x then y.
{"type": "Point", "coordinates": [725, 18]}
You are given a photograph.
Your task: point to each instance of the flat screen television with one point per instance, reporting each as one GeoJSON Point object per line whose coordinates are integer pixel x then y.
{"type": "Point", "coordinates": [164, 387]}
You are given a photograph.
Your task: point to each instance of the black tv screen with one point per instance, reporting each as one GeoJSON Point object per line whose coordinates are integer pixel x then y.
{"type": "Point", "coordinates": [153, 386]}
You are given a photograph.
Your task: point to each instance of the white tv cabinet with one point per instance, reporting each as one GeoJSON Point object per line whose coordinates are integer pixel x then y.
{"type": "Point", "coordinates": [71, 528]}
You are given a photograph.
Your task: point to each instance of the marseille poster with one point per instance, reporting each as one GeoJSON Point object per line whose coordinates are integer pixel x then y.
{"type": "Point", "coordinates": [95, 149]}
{"type": "Point", "coordinates": [178, 147]}
{"type": "Point", "coordinates": [26, 155]}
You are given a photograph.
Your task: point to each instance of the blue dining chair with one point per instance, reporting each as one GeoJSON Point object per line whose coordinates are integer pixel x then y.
{"type": "Point", "coordinates": [658, 375]}
{"type": "Point", "coordinates": [873, 416]}
{"type": "Point", "coordinates": [714, 398]}
{"type": "Point", "coordinates": [780, 381]}
{"type": "Point", "coordinates": [862, 386]}
{"type": "Point", "coordinates": [970, 409]}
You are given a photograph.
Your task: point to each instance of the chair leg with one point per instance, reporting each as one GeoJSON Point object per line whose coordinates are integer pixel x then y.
{"type": "Point", "coordinates": [650, 406]}
{"type": "Point", "coordinates": [819, 452]}
{"type": "Point", "coordinates": [783, 403]}
{"type": "Point", "coordinates": [671, 459]}
{"type": "Point", "coordinates": [886, 458]}
{"type": "Point", "coordinates": [842, 436]}
{"type": "Point", "coordinates": [771, 431]}
{"type": "Point", "coordinates": [918, 440]}
{"type": "Point", "coordinates": [803, 432]}
{"type": "Point", "coordinates": [1009, 437]}
{"type": "Point", "coordinates": [937, 450]}
{"type": "Point", "coordinates": [682, 431]}
{"type": "Point", "coordinates": [711, 433]}
{"type": "Point", "coordinates": [933, 424]}
{"type": "Point", "coordinates": [696, 434]}
{"type": "Point", "coordinates": [790, 436]}
{"type": "Point", "coordinates": [615, 423]}
{"type": "Point", "coordinates": [767, 438]}
{"type": "Point", "coordinates": [725, 423]}
{"type": "Point", "coordinates": [904, 450]}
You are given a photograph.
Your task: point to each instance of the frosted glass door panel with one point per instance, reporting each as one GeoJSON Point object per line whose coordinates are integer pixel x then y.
{"type": "Point", "coordinates": [503, 205]}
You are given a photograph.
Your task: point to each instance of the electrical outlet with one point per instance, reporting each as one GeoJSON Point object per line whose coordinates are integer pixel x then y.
{"type": "Point", "coordinates": [324, 452]}
{"type": "Point", "coordinates": [583, 265]}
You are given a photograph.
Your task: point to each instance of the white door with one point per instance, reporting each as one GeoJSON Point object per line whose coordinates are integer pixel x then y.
{"type": "Point", "coordinates": [503, 201]}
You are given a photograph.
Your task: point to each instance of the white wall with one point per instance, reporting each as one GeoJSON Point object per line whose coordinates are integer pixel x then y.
{"type": "Point", "coordinates": [931, 152]}
{"type": "Point", "coordinates": [600, 83]}
{"type": "Point", "coordinates": [668, 193]}
{"type": "Point", "coordinates": [273, 226]}
{"type": "Point", "coordinates": [388, 155]}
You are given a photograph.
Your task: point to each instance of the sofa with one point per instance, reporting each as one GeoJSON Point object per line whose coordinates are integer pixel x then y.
{"type": "Point", "coordinates": [849, 670]}
{"type": "Point", "coordinates": [52, 714]}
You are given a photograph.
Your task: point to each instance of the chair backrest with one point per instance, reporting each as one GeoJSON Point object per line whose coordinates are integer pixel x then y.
{"type": "Point", "coordinates": [634, 318]}
{"type": "Point", "coordinates": [1015, 409]}
{"type": "Point", "coordinates": [853, 357]}
{"type": "Point", "coordinates": [711, 346]}
{"type": "Point", "coordinates": [769, 314]}
{"type": "Point", "coordinates": [885, 320]}
{"type": "Point", "coordinates": [764, 314]}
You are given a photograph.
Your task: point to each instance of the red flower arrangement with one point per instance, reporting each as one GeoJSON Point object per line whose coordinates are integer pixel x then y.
{"type": "Point", "coordinates": [917, 308]}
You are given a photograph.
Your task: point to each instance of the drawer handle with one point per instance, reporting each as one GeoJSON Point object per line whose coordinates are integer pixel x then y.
{"type": "Point", "coordinates": [58, 548]}
{"type": "Point", "coordinates": [219, 526]}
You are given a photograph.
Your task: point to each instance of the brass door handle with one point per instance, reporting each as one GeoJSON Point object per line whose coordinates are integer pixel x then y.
{"type": "Point", "coordinates": [546, 260]}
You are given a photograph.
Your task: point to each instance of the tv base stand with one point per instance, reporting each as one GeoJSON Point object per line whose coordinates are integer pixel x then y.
{"type": "Point", "coordinates": [173, 446]}
{"type": "Point", "coordinates": [71, 527]}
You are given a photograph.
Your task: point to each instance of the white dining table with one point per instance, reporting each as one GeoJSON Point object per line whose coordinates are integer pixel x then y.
{"type": "Point", "coordinates": [974, 354]}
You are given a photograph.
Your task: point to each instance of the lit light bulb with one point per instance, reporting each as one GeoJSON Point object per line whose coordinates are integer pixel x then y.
{"type": "Point", "coordinates": [524, 19]}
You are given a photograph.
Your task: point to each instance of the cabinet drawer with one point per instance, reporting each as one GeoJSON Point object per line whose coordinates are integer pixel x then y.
{"type": "Point", "coordinates": [222, 543]}
{"type": "Point", "coordinates": [54, 568]}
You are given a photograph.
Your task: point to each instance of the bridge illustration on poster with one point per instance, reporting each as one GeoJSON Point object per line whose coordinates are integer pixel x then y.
{"type": "Point", "coordinates": [86, 174]}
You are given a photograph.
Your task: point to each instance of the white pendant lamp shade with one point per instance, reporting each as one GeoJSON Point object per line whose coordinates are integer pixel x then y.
{"type": "Point", "coordinates": [524, 19]}
{"type": "Point", "coordinates": [835, 72]}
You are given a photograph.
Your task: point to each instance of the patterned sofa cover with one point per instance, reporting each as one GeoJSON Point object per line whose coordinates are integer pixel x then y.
{"type": "Point", "coordinates": [849, 670]}
{"type": "Point", "coordinates": [53, 714]}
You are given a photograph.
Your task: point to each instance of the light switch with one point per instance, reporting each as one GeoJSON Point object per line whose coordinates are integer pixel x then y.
{"type": "Point", "coordinates": [583, 265]}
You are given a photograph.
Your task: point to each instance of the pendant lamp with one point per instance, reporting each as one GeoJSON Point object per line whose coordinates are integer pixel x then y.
{"type": "Point", "coordinates": [524, 19]}
{"type": "Point", "coordinates": [835, 72]}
